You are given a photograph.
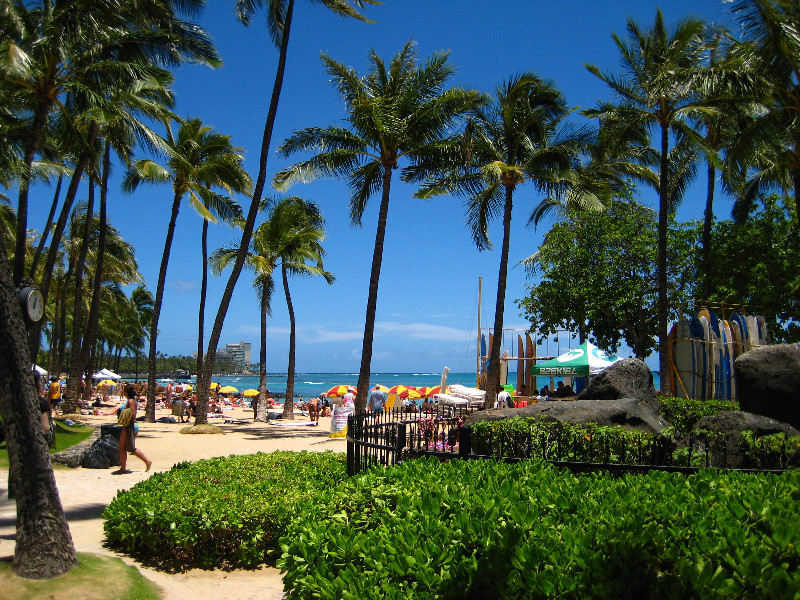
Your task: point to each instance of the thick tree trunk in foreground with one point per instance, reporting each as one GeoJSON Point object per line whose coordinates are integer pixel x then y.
{"type": "Point", "coordinates": [44, 547]}
{"type": "Point", "coordinates": [201, 317]}
{"type": "Point", "coordinates": [204, 377]}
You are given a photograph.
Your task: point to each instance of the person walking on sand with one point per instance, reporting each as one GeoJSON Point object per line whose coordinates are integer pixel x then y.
{"type": "Point", "coordinates": [127, 439]}
{"type": "Point", "coordinates": [313, 410]}
{"type": "Point", "coordinates": [54, 393]}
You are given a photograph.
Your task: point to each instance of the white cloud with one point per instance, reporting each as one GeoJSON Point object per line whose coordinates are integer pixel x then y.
{"type": "Point", "coordinates": [184, 287]}
{"type": "Point", "coordinates": [421, 331]}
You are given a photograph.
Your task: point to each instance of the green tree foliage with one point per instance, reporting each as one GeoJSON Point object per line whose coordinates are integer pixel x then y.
{"type": "Point", "coordinates": [597, 273]}
{"type": "Point", "coordinates": [757, 262]}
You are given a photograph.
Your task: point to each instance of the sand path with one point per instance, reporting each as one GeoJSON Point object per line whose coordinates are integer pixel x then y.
{"type": "Point", "coordinates": [85, 493]}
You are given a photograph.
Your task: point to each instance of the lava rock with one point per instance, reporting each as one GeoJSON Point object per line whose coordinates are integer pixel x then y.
{"type": "Point", "coordinates": [628, 378]}
{"type": "Point", "coordinates": [768, 382]}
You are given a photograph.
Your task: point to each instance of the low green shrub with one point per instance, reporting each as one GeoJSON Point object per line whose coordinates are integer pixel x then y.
{"type": "Point", "coordinates": [549, 439]}
{"type": "Point", "coordinates": [683, 413]}
{"type": "Point", "coordinates": [769, 451]}
{"type": "Point", "coordinates": [221, 512]}
{"type": "Point", "coordinates": [486, 529]}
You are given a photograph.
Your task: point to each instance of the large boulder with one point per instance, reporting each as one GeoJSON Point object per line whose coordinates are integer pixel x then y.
{"type": "Point", "coordinates": [731, 423]}
{"type": "Point", "coordinates": [628, 412]}
{"type": "Point", "coordinates": [628, 378]}
{"type": "Point", "coordinates": [768, 382]}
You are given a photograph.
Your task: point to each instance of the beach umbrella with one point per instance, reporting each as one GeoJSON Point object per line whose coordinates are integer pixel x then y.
{"type": "Point", "coordinates": [213, 385]}
{"type": "Point", "coordinates": [341, 390]}
{"type": "Point", "coordinates": [411, 394]}
{"type": "Point", "coordinates": [228, 389]}
{"type": "Point", "coordinates": [107, 382]}
{"type": "Point", "coordinates": [250, 393]}
{"type": "Point", "coordinates": [437, 389]}
{"type": "Point", "coordinates": [399, 389]}
{"type": "Point", "coordinates": [380, 388]}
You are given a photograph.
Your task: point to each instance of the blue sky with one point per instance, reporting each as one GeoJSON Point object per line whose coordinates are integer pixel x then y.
{"type": "Point", "coordinates": [428, 296]}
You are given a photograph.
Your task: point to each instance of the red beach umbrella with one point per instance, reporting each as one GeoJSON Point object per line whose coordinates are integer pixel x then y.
{"type": "Point", "coordinates": [437, 389]}
{"type": "Point", "coordinates": [341, 390]}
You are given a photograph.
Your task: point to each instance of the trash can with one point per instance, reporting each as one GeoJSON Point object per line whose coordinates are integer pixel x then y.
{"type": "Point", "coordinates": [113, 430]}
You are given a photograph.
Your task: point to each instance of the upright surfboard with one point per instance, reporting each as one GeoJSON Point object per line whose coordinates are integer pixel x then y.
{"type": "Point", "coordinates": [744, 338]}
{"type": "Point", "coordinates": [700, 361]}
{"type": "Point", "coordinates": [752, 331]}
{"type": "Point", "coordinates": [520, 366]}
{"type": "Point", "coordinates": [730, 382]}
{"type": "Point", "coordinates": [684, 360]}
{"type": "Point", "coordinates": [736, 332]}
{"type": "Point", "coordinates": [708, 352]}
{"type": "Point", "coordinates": [530, 354]}
{"type": "Point", "coordinates": [762, 330]}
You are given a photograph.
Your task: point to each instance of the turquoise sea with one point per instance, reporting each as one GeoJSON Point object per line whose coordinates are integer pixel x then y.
{"type": "Point", "coordinates": [307, 385]}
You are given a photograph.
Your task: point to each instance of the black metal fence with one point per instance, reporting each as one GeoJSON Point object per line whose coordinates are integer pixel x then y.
{"type": "Point", "coordinates": [395, 436]}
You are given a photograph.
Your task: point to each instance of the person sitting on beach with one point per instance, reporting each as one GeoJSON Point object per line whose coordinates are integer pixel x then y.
{"type": "Point", "coordinates": [426, 405]}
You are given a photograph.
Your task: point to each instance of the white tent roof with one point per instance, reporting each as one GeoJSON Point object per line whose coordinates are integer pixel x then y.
{"type": "Point", "coordinates": [40, 370]}
{"type": "Point", "coordinates": [106, 374]}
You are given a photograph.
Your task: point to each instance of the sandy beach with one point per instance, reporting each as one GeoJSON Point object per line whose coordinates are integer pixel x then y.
{"type": "Point", "coordinates": [85, 493]}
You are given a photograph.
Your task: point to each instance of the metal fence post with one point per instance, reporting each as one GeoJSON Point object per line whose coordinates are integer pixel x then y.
{"type": "Point", "coordinates": [464, 441]}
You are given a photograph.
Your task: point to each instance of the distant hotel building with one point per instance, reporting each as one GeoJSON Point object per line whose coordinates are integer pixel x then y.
{"type": "Point", "coordinates": [238, 353]}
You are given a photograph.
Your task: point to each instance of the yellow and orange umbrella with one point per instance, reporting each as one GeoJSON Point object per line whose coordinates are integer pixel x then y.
{"type": "Point", "coordinates": [399, 389]}
{"type": "Point", "coordinates": [411, 394]}
{"type": "Point", "coordinates": [228, 389]}
{"type": "Point", "coordinates": [341, 390]}
{"type": "Point", "coordinates": [380, 388]}
{"type": "Point", "coordinates": [437, 389]}
{"type": "Point", "coordinates": [250, 393]}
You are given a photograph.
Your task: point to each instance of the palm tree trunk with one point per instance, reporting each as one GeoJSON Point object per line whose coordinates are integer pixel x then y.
{"type": "Point", "coordinates": [261, 407]}
{"type": "Point", "coordinates": [663, 210]}
{"type": "Point", "coordinates": [493, 377]}
{"type": "Point", "coordinates": [288, 404]}
{"type": "Point", "coordinates": [44, 547]}
{"type": "Point", "coordinates": [46, 230]}
{"type": "Point", "coordinates": [76, 363]}
{"type": "Point", "coordinates": [150, 407]}
{"type": "Point", "coordinates": [362, 390]}
{"type": "Point", "coordinates": [204, 377]}
{"type": "Point", "coordinates": [707, 221]}
{"type": "Point", "coordinates": [34, 335]}
{"type": "Point", "coordinates": [203, 288]}
{"type": "Point", "coordinates": [31, 146]}
{"type": "Point", "coordinates": [94, 309]}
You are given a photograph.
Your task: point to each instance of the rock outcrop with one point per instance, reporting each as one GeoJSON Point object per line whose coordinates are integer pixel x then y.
{"type": "Point", "coordinates": [628, 378]}
{"type": "Point", "coordinates": [768, 382]}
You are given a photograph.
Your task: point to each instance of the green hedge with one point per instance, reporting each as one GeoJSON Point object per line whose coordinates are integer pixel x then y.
{"type": "Point", "coordinates": [220, 512]}
{"type": "Point", "coordinates": [484, 529]}
{"type": "Point", "coordinates": [683, 413]}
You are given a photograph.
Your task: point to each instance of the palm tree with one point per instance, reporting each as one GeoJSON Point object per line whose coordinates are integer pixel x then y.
{"type": "Point", "coordinates": [279, 25]}
{"type": "Point", "coordinates": [291, 237]}
{"type": "Point", "coordinates": [518, 138]}
{"type": "Point", "coordinates": [51, 49]}
{"type": "Point", "coordinates": [771, 28]}
{"type": "Point", "coordinates": [395, 112]}
{"type": "Point", "coordinates": [661, 74]}
{"type": "Point", "coordinates": [198, 159]}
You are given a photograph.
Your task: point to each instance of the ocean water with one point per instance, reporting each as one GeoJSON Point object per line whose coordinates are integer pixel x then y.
{"type": "Point", "coordinates": [307, 385]}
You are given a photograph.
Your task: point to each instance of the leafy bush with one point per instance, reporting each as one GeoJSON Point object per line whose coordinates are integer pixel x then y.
{"type": "Point", "coordinates": [486, 529]}
{"type": "Point", "coordinates": [554, 440]}
{"type": "Point", "coordinates": [683, 413]}
{"type": "Point", "coordinates": [220, 512]}
{"type": "Point", "coordinates": [769, 451]}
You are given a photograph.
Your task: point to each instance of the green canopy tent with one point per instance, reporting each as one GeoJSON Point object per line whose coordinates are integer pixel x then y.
{"type": "Point", "coordinates": [584, 361]}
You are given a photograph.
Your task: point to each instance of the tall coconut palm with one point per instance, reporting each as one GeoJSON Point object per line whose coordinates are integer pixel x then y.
{"type": "Point", "coordinates": [279, 25]}
{"type": "Point", "coordinates": [397, 111]}
{"type": "Point", "coordinates": [662, 71]}
{"type": "Point", "coordinates": [771, 27]}
{"type": "Point", "coordinates": [53, 48]}
{"type": "Point", "coordinates": [519, 138]}
{"type": "Point", "coordinates": [291, 237]}
{"type": "Point", "coordinates": [197, 160]}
